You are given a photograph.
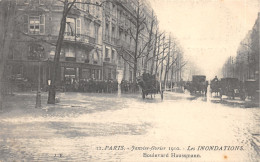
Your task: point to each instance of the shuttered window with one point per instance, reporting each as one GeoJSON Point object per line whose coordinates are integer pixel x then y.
{"type": "Point", "coordinates": [42, 24]}
{"type": "Point", "coordinates": [34, 24]}
{"type": "Point", "coordinates": [78, 26]}
{"type": "Point", "coordinates": [26, 23]}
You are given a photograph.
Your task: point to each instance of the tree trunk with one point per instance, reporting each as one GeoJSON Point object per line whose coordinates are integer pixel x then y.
{"type": "Point", "coordinates": [6, 32]}
{"type": "Point", "coordinates": [157, 56]}
{"type": "Point", "coordinates": [154, 52]}
{"type": "Point", "coordinates": [134, 77]}
{"type": "Point", "coordinates": [136, 48]}
{"type": "Point", "coordinates": [168, 64]}
{"type": "Point", "coordinates": [162, 64]}
{"type": "Point", "coordinates": [55, 65]}
{"type": "Point", "coordinates": [171, 77]}
{"type": "Point", "coordinates": [148, 46]}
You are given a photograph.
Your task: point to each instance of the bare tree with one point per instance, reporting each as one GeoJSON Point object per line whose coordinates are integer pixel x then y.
{"type": "Point", "coordinates": [154, 50]}
{"type": "Point", "coordinates": [151, 39]}
{"type": "Point", "coordinates": [55, 66]}
{"type": "Point", "coordinates": [6, 33]}
{"type": "Point", "coordinates": [139, 23]}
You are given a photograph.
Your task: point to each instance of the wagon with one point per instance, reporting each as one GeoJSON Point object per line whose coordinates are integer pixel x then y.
{"type": "Point", "coordinates": [232, 88]}
{"type": "Point", "coordinates": [149, 85]}
{"type": "Point", "coordinates": [251, 86]}
{"type": "Point", "coordinates": [198, 84]}
{"type": "Point", "coordinates": [214, 87]}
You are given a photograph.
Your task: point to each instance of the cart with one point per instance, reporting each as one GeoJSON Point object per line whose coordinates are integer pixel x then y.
{"type": "Point", "coordinates": [232, 88]}
{"type": "Point", "coordinates": [149, 85]}
{"type": "Point", "coordinates": [198, 84]}
{"type": "Point", "coordinates": [251, 86]}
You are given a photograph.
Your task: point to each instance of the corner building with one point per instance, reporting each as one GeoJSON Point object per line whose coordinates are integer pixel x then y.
{"type": "Point", "coordinates": [92, 41]}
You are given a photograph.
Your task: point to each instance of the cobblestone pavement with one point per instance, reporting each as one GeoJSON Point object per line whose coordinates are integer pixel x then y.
{"type": "Point", "coordinates": [84, 126]}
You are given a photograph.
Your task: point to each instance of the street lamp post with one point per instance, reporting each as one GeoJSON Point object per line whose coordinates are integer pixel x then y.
{"type": "Point", "coordinates": [38, 95]}
{"type": "Point", "coordinates": [40, 52]}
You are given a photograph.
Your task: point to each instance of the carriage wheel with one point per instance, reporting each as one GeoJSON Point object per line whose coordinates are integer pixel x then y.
{"type": "Point", "coordinates": [143, 95]}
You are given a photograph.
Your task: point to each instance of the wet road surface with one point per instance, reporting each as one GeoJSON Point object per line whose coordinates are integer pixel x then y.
{"type": "Point", "coordinates": [86, 127]}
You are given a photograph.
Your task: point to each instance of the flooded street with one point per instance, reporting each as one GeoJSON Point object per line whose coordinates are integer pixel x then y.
{"type": "Point", "coordinates": [87, 127]}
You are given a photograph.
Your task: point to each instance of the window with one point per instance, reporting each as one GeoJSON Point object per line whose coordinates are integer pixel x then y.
{"type": "Point", "coordinates": [69, 52]}
{"type": "Point", "coordinates": [113, 54]}
{"type": "Point", "coordinates": [95, 56]}
{"type": "Point", "coordinates": [25, 25]}
{"type": "Point", "coordinates": [96, 33]}
{"type": "Point", "coordinates": [87, 6]}
{"type": "Point", "coordinates": [120, 35]}
{"type": "Point", "coordinates": [114, 10]}
{"type": "Point", "coordinates": [70, 26]}
{"type": "Point", "coordinates": [36, 52]}
{"type": "Point", "coordinates": [42, 24]}
{"type": "Point", "coordinates": [41, 2]}
{"type": "Point", "coordinates": [78, 30]}
{"type": "Point", "coordinates": [26, 2]}
{"type": "Point", "coordinates": [34, 24]}
{"type": "Point", "coordinates": [113, 32]}
{"type": "Point", "coordinates": [106, 54]}
{"type": "Point", "coordinates": [107, 32]}
{"type": "Point", "coordinates": [97, 11]}
{"type": "Point", "coordinates": [86, 73]}
{"type": "Point", "coordinates": [79, 5]}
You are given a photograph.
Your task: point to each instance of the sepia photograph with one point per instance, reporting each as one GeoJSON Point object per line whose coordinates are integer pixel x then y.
{"type": "Point", "coordinates": [129, 80]}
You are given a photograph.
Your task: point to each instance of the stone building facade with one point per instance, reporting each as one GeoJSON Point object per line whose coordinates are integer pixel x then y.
{"type": "Point", "coordinates": [245, 65]}
{"type": "Point", "coordinates": [92, 40]}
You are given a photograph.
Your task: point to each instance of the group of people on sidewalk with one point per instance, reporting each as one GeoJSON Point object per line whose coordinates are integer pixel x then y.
{"type": "Point", "coordinates": [96, 86]}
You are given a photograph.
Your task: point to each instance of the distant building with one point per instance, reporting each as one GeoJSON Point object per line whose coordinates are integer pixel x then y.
{"type": "Point", "coordinates": [118, 19]}
{"type": "Point", "coordinates": [246, 63]}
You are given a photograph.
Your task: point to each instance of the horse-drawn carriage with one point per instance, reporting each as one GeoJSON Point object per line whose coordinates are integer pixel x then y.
{"type": "Point", "coordinates": [198, 84]}
{"type": "Point", "coordinates": [149, 85]}
{"type": "Point", "coordinates": [232, 87]}
{"type": "Point", "coordinates": [215, 87]}
{"type": "Point", "coordinates": [252, 89]}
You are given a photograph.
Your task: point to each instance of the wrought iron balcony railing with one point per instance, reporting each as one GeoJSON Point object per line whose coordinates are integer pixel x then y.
{"type": "Point", "coordinates": [79, 38]}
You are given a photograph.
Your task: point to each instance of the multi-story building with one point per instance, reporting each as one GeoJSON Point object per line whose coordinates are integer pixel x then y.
{"type": "Point", "coordinates": [93, 39]}
{"type": "Point", "coordinates": [36, 33]}
{"type": "Point", "coordinates": [246, 64]}
{"type": "Point", "coordinates": [118, 43]}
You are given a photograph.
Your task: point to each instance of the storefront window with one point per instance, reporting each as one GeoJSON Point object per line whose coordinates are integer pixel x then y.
{"type": "Point", "coordinates": [36, 52]}
{"type": "Point", "coordinates": [95, 57]}
{"type": "Point", "coordinates": [86, 74]}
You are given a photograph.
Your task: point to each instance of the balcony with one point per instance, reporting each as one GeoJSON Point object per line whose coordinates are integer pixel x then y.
{"type": "Point", "coordinates": [71, 59]}
{"type": "Point", "coordinates": [107, 59]}
{"type": "Point", "coordinates": [79, 38]}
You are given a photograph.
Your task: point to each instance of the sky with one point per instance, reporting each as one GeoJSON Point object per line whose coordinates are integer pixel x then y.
{"type": "Point", "coordinates": [208, 30]}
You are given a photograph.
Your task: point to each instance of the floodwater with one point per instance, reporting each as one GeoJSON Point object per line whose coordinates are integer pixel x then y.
{"type": "Point", "coordinates": [86, 127]}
